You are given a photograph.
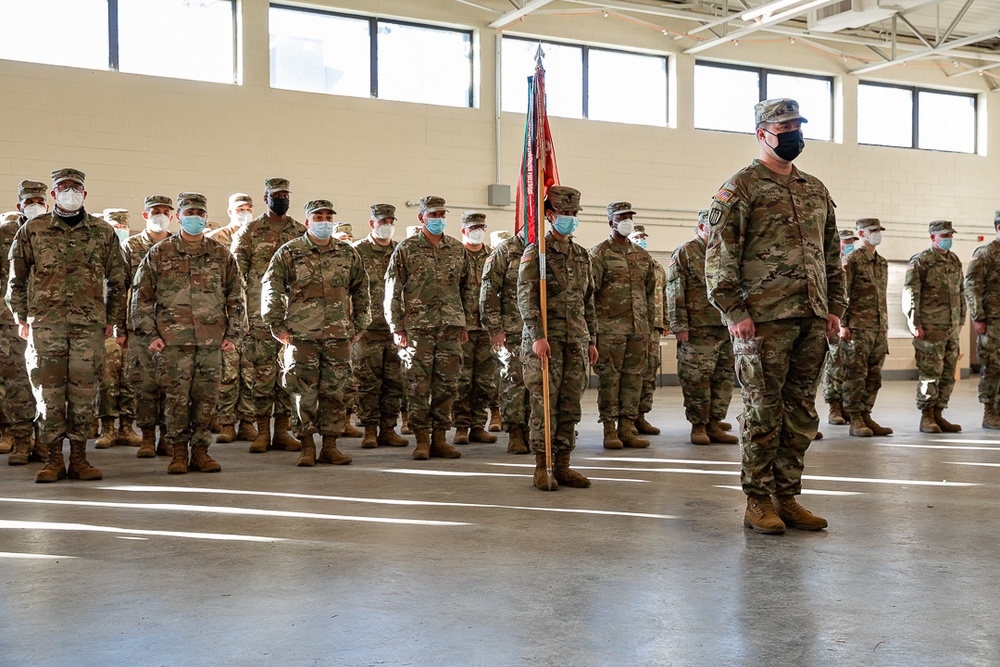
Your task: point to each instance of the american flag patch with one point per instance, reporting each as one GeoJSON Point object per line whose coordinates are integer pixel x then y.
{"type": "Point", "coordinates": [910, 266]}
{"type": "Point", "coordinates": [724, 195]}
{"type": "Point", "coordinates": [671, 262]}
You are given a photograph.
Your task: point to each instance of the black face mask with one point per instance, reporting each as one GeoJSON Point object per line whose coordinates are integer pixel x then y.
{"type": "Point", "coordinates": [279, 206]}
{"type": "Point", "coordinates": [790, 144]}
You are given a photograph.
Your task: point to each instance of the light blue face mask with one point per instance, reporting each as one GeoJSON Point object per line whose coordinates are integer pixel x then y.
{"type": "Point", "coordinates": [435, 225]}
{"type": "Point", "coordinates": [848, 249]}
{"type": "Point", "coordinates": [641, 243]}
{"type": "Point", "coordinates": [193, 224]}
{"type": "Point", "coordinates": [321, 229]}
{"type": "Point", "coordinates": [566, 224]}
{"type": "Point", "coordinates": [122, 235]}
{"type": "Point", "coordinates": [945, 244]}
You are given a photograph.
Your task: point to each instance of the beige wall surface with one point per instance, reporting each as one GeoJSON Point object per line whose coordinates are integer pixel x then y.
{"type": "Point", "coordinates": [136, 135]}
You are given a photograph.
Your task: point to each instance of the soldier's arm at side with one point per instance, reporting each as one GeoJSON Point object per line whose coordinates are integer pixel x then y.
{"type": "Point", "coordinates": [466, 294]}
{"type": "Point", "coordinates": [274, 289]}
{"type": "Point", "coordinates": [963, 307]}
{"type": "Point", "coordinates": [653, 313]}
{"type": "Point", "coordinates": [836, 295]}
{"type": "Point", "coordinates": [974, 289]}
{"type": "Point", "coordinates": [677, 295]}
{"type": "Point", "coordinates": [395, 280]}
{"type": "Point", "coordinates": [489, 294]}
{"type": "Point", "coordinates": [116, 277]}
{"type": "Point", "coordinates": [236, 316]}
{"type": "Point", "coordinates": [723, 261]}
{"type": "Point", "coordinates": [241, 250]}
{"type": "Point", "coordinates": [528, 299]}
{"type": "Point", "coordinates": [361, 313]}
{"type": "Point", "coordinates": [911, 297]}
{"type": "Point", "coordinates": [590, 311]}
{"type": "Point", "coordinates": [21, 260]}
{"type": "Point", "coordinates": [144, 299]}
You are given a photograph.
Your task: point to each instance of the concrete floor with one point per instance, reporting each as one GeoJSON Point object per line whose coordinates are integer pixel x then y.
{"type": "Point", "coordinates": [390, 561]}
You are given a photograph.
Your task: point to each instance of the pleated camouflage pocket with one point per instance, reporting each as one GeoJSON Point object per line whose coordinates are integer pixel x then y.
{"type": "Point", "coordinates": [750, 373]}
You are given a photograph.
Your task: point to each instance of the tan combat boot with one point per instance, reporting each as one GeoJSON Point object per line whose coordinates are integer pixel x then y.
{"type": "Point", "coordinates": [227, 434]}
{"type": "Point", "coordinates": [858, 427]}
{"type": "Point", "coordinates": [54, 469]}
{"type": "Point", "coordinates": [479, 434]}
{"type": "Point", "coordinates": [162, 448]}
{"type": "Point", "coordinates": [147, 448]}
{"type": "Point", "coordinates": [461, 436]}
{"type": "Point", "coordinates": [350, 431]}
{"type": "Point", "coordinates": [716, 434]}
{"type": "Point", "coordinates": [79, 466]}
{"type": "Point", "coordinates": [282, 439]}
{"type": "Point", "coordinates": [836, 414]}
{"type": "Point", "coordinates": [629, 436]}
{"type": "Point", "coordinates": [927, 422]}
{"type": "Point", "coordinates": [20, 451]}
{"type": "Point", "coordinates": [39, 452]}
{"type": "Point", "coordinates": [698, 435]}
{"type": "Point", "coordinates": [387, 437]}
{"type": "Point", "coordinates": [566, 475]}
{"type": "Point", "coordinates": [945, 425]}
{"type": "Point", "coordinates": [725, 426]}
{"type": "Point", "coordinates": [797, 516]}
{"type": "Point", "coordinates": [405, 427]}
{"type": "Point", "coordinates": [541, 477]}
{"type": "Point", "coordinates": [6, 443]}
{"type": "Point", "coordinates": [201, 461]}
{"type": "Point", "coordinates": [644, 427]}
{"type": "Point", "coordinates": [127, 437]}
{"type": "Point", "coordinates": [330, 454]}
{"type": "Point", "coordinates": [246, 432]}
{"type": "Point", "coordinates": [370, 440]}
{"type": "Point", "coordinates": [179, 462]}
{"type": "Point", "coordinates": [495, 425]}
{"type": "Point", "coordinates": [515, 441]}
{"type": "Point", "coordinates": [761, 517]}
{"type": "Point", "coordinates": [991, 420]}
{"type": "Point", "coordinates": [109, 434]}
{"type": "Point", "coordinates": [262, 442]}
{"type": "Point", "coordinates": [307, 457]}
{"type": "Point", "coordinates": [611, 440]}
{"type": "Point", "coordinates": [876, 428]}
{"type": "Point", "coordinates": [440, 448]}
{"type": "Point", "coordinates": [422, 451]}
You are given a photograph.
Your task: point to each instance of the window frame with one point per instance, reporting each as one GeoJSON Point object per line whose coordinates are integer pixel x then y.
{"type": "Point", "coordinates": [915, 115]}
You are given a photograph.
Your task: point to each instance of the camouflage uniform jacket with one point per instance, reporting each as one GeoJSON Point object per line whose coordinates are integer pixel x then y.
{"type": "Point", "coordinates": [188, 294]}
{"type": "Point", "coordinates": [572, 315]}
{"type": "Point", "coordinates": [254, 245]}
{"type": "Point", "coordinates": [932, 290]}
{"type": "Point", "coordinates": [426, 285]}
{"type": "Point", "coordinates": [75, 274]}
{"type": "Point", "coordinates": [687, 297]}
{"type": "Point", "coordinates": [982, 289]}
{"type": "Point", "coordinates": [224, 235]}
{"type": "Point", "coordinates": [866, 275]}
{"type": "Point", "coordinates": [8, 230]}
{"type": "Point", "coordinates": [135, 249]}
{"type": "Point", "coordinates": [477, 262]}
{"type": "Point", "coordinates": [498, 293]}
{"type": "Point", "coordinates": [773, 248]}
{"type": "Point", "coordinates": [661, 319]}
{"type": "Point", "coordinates": [376, 260]}
{"type": "Point", "coordinates": [315, 292]}
{"type": "Point", "coordinates": [624, 288]}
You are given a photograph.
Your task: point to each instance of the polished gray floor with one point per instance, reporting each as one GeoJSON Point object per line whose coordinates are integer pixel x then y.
{"type": "Point", "coordinates": [390, 561]}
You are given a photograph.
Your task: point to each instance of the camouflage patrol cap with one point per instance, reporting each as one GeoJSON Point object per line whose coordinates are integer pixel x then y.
{"type": "Point", "coordinates": [498, 236]}
{"type": "Point", "coordinates": [119, 215]}
{"type": "Point", "coordinates": [238, 199]}
{"type": "Point", "coordinates": [563, 198]}
{"type": "Point", "coordinates": [343, 229]}
{"type": "Point", "coordinates": [473, 218]}
{"type": "Point", "coordinates": [703, 216]}
{"type": "Point", "coordinates": [68, 174]}
{"type": "Point", "coordinates": [319, 205]}
{"type": "Point", "coordinates": [192, 200]}
{"type": "Point", "coordinates": [778, 110]}
{"type": "Point", "coordinates": [619, 207]}
{"type": "Point", "coordinates": [868, 224]}
{"type": "Point", "coordinates": [638, 229]}
{"type": "Point", "coordinates": [412, 230]}
{"type": "Point", "coordinates": [383, 211]}
{"type": "Point", "coordinates": [10, 216]}
{"type": "Point", "coordinates": [27, 189]}
{"type": "Point", "coordinates": [272, 185]}
{"type": "Point", "coordinates": [941, 227]}
{"type": "Point", "coordinates": [157, 200]}
{"type": "Point", "coordinates": [847, 235]}
{"type": "Point", "coordinates": [996, 219]}
{"type": "Point", "coordinates": [432, 204]}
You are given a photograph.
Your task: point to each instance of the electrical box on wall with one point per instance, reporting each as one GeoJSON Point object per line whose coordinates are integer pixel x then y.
{"type": "Point", "coordinates": [499, 195]}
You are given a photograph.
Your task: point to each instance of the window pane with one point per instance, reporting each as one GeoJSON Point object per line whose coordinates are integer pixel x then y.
{"type": "Point", "coordinates": [55, 32]}
{"type": "Point", "coordinates": [320, 53]}
{"type": "Point", "coordinates": [815, 98]}
{"type": "Point", "coordinates": [204, 29]}
{"type": "Point", "coordinates": [947, 122]}
{"type": "Point", "coordinates": [424, 65]}
{"type": "Point", "coordinates": [627, 87]}
{"type": "Point", "coordinates": [724, 98]}
{"type": "Point", "coordinates": [563, 77]}
{"type": "Point", "coordinates": [885, 116]}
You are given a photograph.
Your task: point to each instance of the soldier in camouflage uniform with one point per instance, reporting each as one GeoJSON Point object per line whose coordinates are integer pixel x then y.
{"type": "Point", "coordinates": [71, 262]}
{"type": "Point", "coordinates": [773, 271]}
{"type": "Point", "coordinates": [253, 246]}
{"type": "Point", "coordinates": [502, 319]}
{"type": "Point", "coordinates": [315, 299]}
{"type": "Point", "coordinates": [496, 420]}
{"type": "Point", "coordinates": [188, 299]}
{"type": "Point", "coordinates": [427, 305]}
{"type": "Point", "coordinates": [659, 327]}
{"type": "Point", "coordinates": [625, 298]}
{"type": "Point", "coordinates": [477, 385]}
{"type": "Point", "coordinates": [833, 374]}
{"type": "Point", "coordinates": [935, 312]}
{"type": "Point", "coordinates": [571, 340]}
{"type": "Point", "coordinates": [982, 292]}
{"type": "Point", "coordinates": [233, 405]}
{"type": "Point", "coordinates": [864, 329]}
{"type": "Point", "coordinates": [344, 231]}
{"type": "Point", "coordinates": [375, 356]}
{"type": "Point", "coordinates": [704, 349]}
{"type": "Point", "coordinates": [17, 404]}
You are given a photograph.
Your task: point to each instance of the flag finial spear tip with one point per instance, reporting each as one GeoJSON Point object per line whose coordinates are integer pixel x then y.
{"type": "Point", "coordinates": [539, 54]}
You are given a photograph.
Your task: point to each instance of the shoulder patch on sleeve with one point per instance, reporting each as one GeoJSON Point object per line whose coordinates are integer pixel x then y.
{"type": "Point", "coordinates": [724, 195]}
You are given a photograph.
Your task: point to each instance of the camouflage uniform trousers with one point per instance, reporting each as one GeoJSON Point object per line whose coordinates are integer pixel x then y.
{"type": "Point", "coordinates": [317, 374]}
{"type": "Point", "coordinates": [937, 356]}
{"type": "Point", "coordinates": [144, 384]}
{"type": "Point", "coordinates": [833, 375]}
{"type": "Point", "coordinates": [779, 372]}
{"type": "Point", "coordinates": [17, 404]}
{"type": "Point", "coordinates": [245, 406]}
{"type": "Point", "coordinates": [621, 367]}
{"type": "Point", "coordinates": [513, 393]}
{"type": "Point", "coordinates": [567, 380]}
{"type": "Point", "coordinates": [477, 386]}
{"type": "Point", "coordinates": [189, 377]}
{"type": "Point", "coordinates": [229, 390]}
{"type": "Point", "coordinates": [432, 363]}
{"type": "Point", "coordinates": [705, 368]}
{"type": "Point", "coordinates": [379, 376]}
{"type": "Point", "coordinates": [265, 357]}
{"type": "Point", "coordinates": [650, 376]}
{"type": "Point", "coordinates": [126, 385]}
{"type": "Point", "coordinates": [861, 360]}
{"type": "Point", "coordinates": [988, 351]}
{"type": "Point", "coordinates": [65, 365]}
{"type": "Point", "coordinates": [108, 390]}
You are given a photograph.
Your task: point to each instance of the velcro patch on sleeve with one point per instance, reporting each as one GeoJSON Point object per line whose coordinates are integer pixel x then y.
{"type": "Point", "coordinates": [724, 195]}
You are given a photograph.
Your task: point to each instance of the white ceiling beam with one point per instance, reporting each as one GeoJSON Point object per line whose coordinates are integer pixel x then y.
{"type": "Point", "coordinates": [525, 9]}
{"type": "Point", "coordinates": [761, 25]}
{"type": "Point", "coordinates": [926, 53]}
{"type": "Point", "coordinates": [977, 70]}
{"type": "Point", "coordinates": [954, 24]}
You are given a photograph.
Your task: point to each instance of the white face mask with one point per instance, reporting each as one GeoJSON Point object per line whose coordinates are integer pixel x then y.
{"type": "Point", "coordinates": [69, 200]}
{"type": "Point", "coordinates": [243, 217]}
{"type": "Point", "coordinates": [875, 238]}
{"type": "Point", "coordinates": [476, 236]}
{"type": "Point", "coordinates": [385, 231]}
{"type": "Point", "coordinates": [158, 223]}
{"type": "Point", "coordinates": [624, 227]}
{"type": "Point", "coordinates": [34, 210]}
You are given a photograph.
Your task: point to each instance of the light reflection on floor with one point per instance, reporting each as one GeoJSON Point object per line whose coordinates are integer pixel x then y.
{"type": "Point", "coordinates": [90, 528]}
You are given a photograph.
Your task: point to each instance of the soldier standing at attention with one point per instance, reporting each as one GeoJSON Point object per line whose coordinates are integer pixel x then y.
{"type": "Point", "coordinates": [704, 349]}
{"type": "Point", "coordinates": [188, 298]}
{"type": "Point", "coordinates": [833, 374]}
{"type": "Point", "coordinates": [73, 263]}
{"type": "Point", "coordinates": [660, 327]}
{"type": "Point", "coordinates": [375, 357]}
{"type": "Point", "coordinates": [427, 307]}
{"type": "Point", "coordinates": [864, 329]}
{"type": "Point", "coordinates": [935, 312]}
{"type": "Point", "coordinates": [571, 340]}
{"type": "Point", "coordinates": [982, 292]}
{"type": "Point", "coordinates": [773, 270]}
{"type": "Point", "coordinates": [625, 298]}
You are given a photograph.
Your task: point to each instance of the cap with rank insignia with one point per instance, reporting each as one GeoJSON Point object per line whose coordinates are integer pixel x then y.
{"type": "Point", "coordinates": [777, 111]}
{"type": "Point", "coordinates": [314, 205]}
{"type": "Point", "coordinates": [28, 189]}
{"type": "Point", "coordinates": [157, 200]}
{"type": "Point", "coordinates": [186, 200]}
{"type": "Point", "coordinates": [473, 218]}
{"type": "Point", "coordinates": [272, 185]}
{"type": "Point", "coordinates": [238, 199]}
{"type": "Point", "coordinates": [119, 215]}
{"type": "Point", "coordinates": [619, 207]}
{"type": "Point", "coordinates": [563, 198]}
{"type": "Point", "coordinates": [68, 174]}
{"type": "Point", "coordinates": [847, 235]}
{"type": "Point", "coordinates": [941, 227]}
{"type": "Point", "coordinates": [869, 224]}
{"type": "Point", "coordinates": [432, 204]}
{"type": "Point", "coordinates": [383, 211]}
